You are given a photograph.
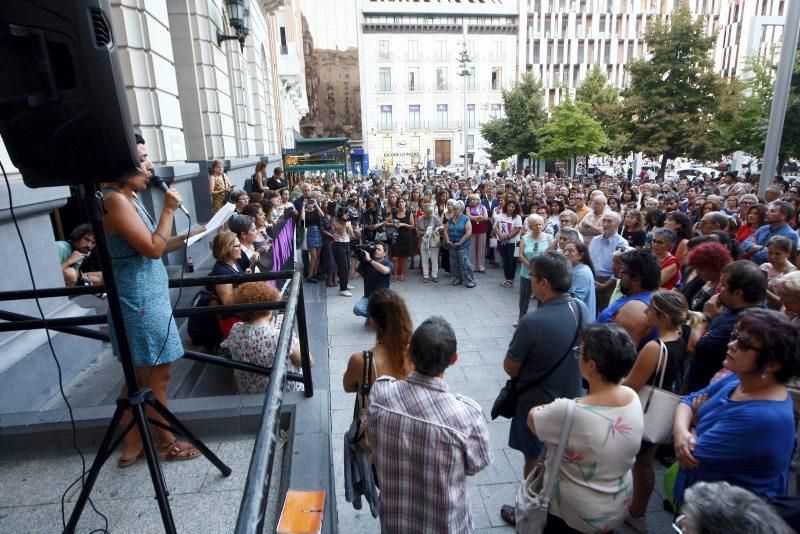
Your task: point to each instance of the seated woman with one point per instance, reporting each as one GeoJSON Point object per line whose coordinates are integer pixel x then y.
{"type": "Point", "coordinates": [388, 315]}
{"type": "Point", "coordinates": [256, 340]}
{"type": "Point", "coordinates": [594, 478]}
{"type": "Point", "coordinates": [740, 429]}
{"type": "Point", "coordinates": [226, 249]}
{"type": "Point", "coordinates": [667, 313]}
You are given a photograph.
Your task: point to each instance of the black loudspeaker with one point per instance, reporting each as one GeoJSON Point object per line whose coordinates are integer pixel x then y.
{"type": "Point", "coordinates": [63, 111]}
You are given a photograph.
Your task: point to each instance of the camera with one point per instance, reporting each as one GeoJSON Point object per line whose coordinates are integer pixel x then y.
{"type": "Point", "coordinates": [342, 211]}
{"type": "Point", "coordinates": [361, 251]}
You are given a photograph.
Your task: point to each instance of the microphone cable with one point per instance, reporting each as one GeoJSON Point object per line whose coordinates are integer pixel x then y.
{"type": "Point", "coordinates": [58, 364]}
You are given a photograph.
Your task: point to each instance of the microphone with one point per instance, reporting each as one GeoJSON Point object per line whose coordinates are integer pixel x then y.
{"type": "Point", "coordinates": [161, 184]}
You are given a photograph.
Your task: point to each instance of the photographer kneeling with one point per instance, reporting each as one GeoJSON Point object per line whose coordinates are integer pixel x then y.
{"type": "Point", "coordinates": [376, 269]}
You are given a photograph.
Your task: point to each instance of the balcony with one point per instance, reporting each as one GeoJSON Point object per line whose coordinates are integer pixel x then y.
{"type": "Point", "coordinates": [386, 88]}
{"type": "Point", "coordinates": [388, 56]}
{"type": "Point", "coordinates": [421, 126]}
{"type": "Point", "coordinates": [414, 88]}
{"type": "Point", "coordinates": [442, 87]}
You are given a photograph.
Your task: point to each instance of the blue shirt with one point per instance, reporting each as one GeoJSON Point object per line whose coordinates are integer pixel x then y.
{"type": "Point", "coordinates": [601, 250]}
{"type": "Point", "coordinates": [762, 235]}
{"type": "Point", "coordinates": [746, 443]}
{"type": "Point", "coordinates": [456, 231]}
{"type": "Point", "coordinates": [583, 288]}
{"type": "Point", "coordinates": [710, 349]}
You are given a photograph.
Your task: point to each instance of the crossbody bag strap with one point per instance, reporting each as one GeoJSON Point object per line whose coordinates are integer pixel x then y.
{"type": "Point", "coordinates": [550, 371]}
{"type": "Point", "coordinates": [562, 444]}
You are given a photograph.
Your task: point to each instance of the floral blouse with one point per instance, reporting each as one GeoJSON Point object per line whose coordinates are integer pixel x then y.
{"type": "Point", "coordinates": [256, 345]}
{"type": "Point", "coordinates": [595, 485]}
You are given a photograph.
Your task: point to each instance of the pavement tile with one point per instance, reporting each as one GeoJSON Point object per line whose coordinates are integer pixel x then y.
{"type": "Point", "coordinates": [496, 495]}
{"type": "Point", "coordinates": [499, 471]}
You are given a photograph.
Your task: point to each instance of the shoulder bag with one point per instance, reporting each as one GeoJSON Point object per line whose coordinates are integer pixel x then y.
{"type": "Point", "coordinates": [362, 401]}
{"type": "Point", "coordinates": [533, 496]}
{"type": "Point", "coordinates": [506, 402]}
{"type": "Point", "coordinates": [658, 404]}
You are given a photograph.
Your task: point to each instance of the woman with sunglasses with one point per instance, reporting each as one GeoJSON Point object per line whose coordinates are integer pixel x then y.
{"type": "Point", "coordinates": [740, 429]}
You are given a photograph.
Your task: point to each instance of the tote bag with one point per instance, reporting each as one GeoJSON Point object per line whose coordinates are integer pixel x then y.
{"type": "Point", "coordinates": [658, 404]}
{"type": "Point", "coordinates": [533, 497]}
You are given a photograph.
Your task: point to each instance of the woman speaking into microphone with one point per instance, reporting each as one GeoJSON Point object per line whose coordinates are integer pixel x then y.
{"type": "Point", "coordinates": [136, 243]}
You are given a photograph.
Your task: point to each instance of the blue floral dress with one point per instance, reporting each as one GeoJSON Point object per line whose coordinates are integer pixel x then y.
{"type": "Point", "coordinates": [144, 296]}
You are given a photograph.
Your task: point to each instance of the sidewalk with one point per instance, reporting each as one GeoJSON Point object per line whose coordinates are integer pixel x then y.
{"type": "Point", "coordinates": [482, 318]}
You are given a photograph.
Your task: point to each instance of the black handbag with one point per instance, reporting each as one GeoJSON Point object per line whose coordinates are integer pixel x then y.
{"type": "Point", "coordinates": [506, 402]}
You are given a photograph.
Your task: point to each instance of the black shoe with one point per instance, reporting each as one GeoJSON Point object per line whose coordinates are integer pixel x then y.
{"type": "Point", "coordinates": [312, 280]}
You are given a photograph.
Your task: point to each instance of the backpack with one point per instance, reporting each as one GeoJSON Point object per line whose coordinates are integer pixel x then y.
{"type": "Point", "coordinates": [204, 329]}
{"type": "Point", "coordinates": [248, 184]}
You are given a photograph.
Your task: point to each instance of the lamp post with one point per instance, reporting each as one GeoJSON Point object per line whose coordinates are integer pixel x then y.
{"type": "Point", "coordinates": [463, 59]}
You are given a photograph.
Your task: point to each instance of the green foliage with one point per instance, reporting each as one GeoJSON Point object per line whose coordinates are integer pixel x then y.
{"type": "Point", "coordinates": [604, 103]}
{"type": "Point", "coordinates": [515, 134]}
{"type": "Point", "coordinates": [673, 96]}
{"type": "Point", "coordinates": [571, 131]}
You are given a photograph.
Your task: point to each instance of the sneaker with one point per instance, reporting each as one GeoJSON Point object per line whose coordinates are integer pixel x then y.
{"type": "Point", "coordinates": [639, 524]}
{"type": "Point", "coordinates": [350, 286]}
{"type": "Point", "coordinates": [470, 286]}
{"type": "Point", "coordinates": [345, 294]}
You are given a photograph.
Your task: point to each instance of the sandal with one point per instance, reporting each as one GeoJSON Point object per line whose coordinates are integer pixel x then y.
{"type": "Point", "coordinates": [122, 463]}
{"type": "Point", "coordinates": [394, 279]}
{"type": "Point", "coordinates": [424, 280]}
{"type": "Point", "coordinates": [509, 514]}
{"type": "Point", "coordinates": [435, 280]}
{"type": "Point", "coordinates": [180, 450]}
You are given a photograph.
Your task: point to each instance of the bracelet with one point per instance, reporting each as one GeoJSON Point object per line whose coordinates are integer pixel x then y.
{"type": "Point", "coordinates": [161, 236]}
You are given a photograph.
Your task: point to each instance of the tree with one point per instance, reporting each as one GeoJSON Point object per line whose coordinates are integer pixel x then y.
{"type": "Point", "coordinates": [674, 95]}
{"type": "Point", "coordinates": [515, 134]}
{"type": "Point", "coordinates": [571, 131]}
{"type": "Point", "coordinates": [604, 103]}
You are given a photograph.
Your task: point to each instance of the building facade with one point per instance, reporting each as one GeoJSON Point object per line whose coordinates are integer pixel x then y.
{"type": "Point", "coordinates": [413, 108]}
{"type": "Point", "coordinates": [749, 28]}
{"type": "Point", "coordinates": [194, 100]}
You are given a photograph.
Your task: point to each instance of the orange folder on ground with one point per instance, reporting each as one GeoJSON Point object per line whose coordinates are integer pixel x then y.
{"type": "Point", "coordinates": [302, 512]}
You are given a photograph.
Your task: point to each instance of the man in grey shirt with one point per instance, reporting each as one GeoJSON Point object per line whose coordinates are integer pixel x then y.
{"type": "Point", "coordinates": [542, 342]}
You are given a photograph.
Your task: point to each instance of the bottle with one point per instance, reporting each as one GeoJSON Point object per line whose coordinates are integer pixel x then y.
{"type": "Point", "coordinates": [189, 265]}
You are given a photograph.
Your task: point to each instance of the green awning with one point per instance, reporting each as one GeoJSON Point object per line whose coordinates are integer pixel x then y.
{"type": "Point", "coordinates": [335, 166]}
{"type": "Point", "coordinates": [316, 145]}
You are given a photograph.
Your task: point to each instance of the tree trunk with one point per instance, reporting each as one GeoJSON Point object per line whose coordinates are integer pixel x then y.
{"type": "Point", "coordinates": [663, 168]}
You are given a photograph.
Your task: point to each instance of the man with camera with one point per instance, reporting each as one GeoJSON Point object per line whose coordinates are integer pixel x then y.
{"type": "Point", "coordinates": [376, 269]}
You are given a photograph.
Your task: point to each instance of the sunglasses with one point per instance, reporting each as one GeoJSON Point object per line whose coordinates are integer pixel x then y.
{"type": "Point", "coordinates": [745, 342]}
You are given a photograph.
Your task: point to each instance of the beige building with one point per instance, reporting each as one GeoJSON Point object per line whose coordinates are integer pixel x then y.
{"type": "Point", "coordinates": [749, 28]}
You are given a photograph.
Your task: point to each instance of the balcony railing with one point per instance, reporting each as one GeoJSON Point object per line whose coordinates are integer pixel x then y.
{"type": "Point", "coordinates": [399, 126]}
{"type": "Point", "coordinates": [386, 88]}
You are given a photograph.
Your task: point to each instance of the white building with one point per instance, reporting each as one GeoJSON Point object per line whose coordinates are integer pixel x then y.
{"type": "Point", "coordinates": [412, 99]}
{"type": "Point", "coordinates": [567, 38]}
{"type": "Point", "coordinates": [749, 28]}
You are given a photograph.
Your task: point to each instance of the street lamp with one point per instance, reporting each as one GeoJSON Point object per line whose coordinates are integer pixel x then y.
{"type": "Point", "coordinates": [463, 59]}
{"type": "Point", "coordinates": [239, 19]}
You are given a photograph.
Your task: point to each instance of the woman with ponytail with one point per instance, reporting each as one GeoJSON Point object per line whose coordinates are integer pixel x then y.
{"type": "Point", "coordinates": [388, 315]}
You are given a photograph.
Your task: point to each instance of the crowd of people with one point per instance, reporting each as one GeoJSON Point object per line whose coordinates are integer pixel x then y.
{"type": "Point", "coordinates": [687, 285]}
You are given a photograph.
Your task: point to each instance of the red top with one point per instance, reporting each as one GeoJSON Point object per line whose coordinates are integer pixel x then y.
{"type": "Point", "coordinates": [744, 232]}
{"type": "Point", "coordinates": [672, 282]}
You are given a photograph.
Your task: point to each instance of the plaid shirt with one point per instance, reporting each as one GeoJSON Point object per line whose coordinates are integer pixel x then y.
{"type": "Point", "coordinates": [425, 441]}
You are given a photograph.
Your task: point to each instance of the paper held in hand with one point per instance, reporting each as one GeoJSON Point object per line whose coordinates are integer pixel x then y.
{"type": "Point", "coordinates": [219, 218]}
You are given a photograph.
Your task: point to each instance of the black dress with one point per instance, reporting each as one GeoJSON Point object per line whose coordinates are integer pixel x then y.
{"type": "Point", "coordinates": [402, 245]}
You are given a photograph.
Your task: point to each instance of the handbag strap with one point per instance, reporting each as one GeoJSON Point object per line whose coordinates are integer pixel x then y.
{"type": "Point", "coordinates": [550, 371]}
{"type": "Point", "coordinates": [661, 370]}
{"type": "Point", "coordinates": [562, 444]}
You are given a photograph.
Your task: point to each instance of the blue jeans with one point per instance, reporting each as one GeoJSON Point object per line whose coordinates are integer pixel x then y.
{"type": "Point", "coordinates": [360, 308]}
{"type": "Point", "coordinates": [461, 266]}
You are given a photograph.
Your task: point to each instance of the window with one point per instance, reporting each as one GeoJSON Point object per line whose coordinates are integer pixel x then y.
{"type": "Point", "coordinates": [537, 6]}
{"type": "Point", "coordinates": [471, 80]}
{"type": "Point", "coordinates": [471, 143]}
{"type": "Point", "coordinates": [535, 58]}
{"type": "Point", "coordinates": [602, 27]}
{"type": "Point", "coordinates": [414, 120]}
{"type": "Point", "coordinates": [441, 79]}
{"type": "Point", "coordinates": [564, 25]}
{"type": "Point", "coordinates": [413, 50]}
{"type": "Point", "coordinates": [607, 52]}
{"type": "Point", "coordinates": [579, 28]}
{"type": "Point", "coordinates": [494, 111]}
{"type": "Point", "coordinates": [581, 49]}
{"type": "Point", "coordinates": [471, 122]}
{"type": "Point", "coordinates": [383, 50]}
{"type": "Point", "coordinates": [547, 26]}
{"type": "Point", "coordinates": [384, 79]}
{"type": "Point", "coordinates": [560, 52]}
{"type": "Point", "coordinates": [386, 118]}
{"type": "Point", "coordinates": [441, 115]}
{"type": "Point", "coordinates": [630, 50]}
{"type": "Point", "coordinates": [497, 78]}
{"type": "Point", "coordinates": [441, 50]}
{"type": "Point", "coordinates": [414, 84]}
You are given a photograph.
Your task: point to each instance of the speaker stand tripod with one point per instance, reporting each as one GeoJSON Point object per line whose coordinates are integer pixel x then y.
{"type": "Point", "coordinates": [137, 399]}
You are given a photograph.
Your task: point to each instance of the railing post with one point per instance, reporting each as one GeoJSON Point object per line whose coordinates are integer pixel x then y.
{"type": "Point", "coordinates": [302, 330]}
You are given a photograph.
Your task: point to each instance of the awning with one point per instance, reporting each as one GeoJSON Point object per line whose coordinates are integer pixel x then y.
{"type": "Point", "coordinates": [316, 145]}
{"type": "Point", "coordinates": [332, 166]}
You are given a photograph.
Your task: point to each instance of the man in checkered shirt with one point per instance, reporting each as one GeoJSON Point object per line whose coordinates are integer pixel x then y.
{"type": "Point", "coordinates": [426, 440]}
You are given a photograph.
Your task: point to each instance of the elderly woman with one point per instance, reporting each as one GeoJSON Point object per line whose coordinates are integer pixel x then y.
{"type": "Point", "coordinates": [479, 218]}
{"type": "Point", "coordinates": [219, 186]}
{"type": "Point", "coordinates": [781, 254]}
{"type": "Point", "coordinates": [582, 275]}
{"type": "Point", "coordinates": [533, 243]}
{"type": "Point", "coordinates": [429, 228]}
{"type": "Point", "coordinates": [663, 240]}
{"type": "Point", "coordinates": [706, 261]}
{"type": "Point", "coordinates": [789, 290]}
{"type": "Point", "coordinates": [740, 429]}
{"type": "Point", "coordinates": [457, 240]}
{"type": "Point", "coordinates": [594, 477]}
{"type": "Point", "coordinates": [256, 340]}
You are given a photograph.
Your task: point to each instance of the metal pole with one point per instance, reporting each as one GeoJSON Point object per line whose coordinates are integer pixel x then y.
{"type": "Point", "coordinates": [780, 96]}
{"type": "Point", "coordinates": [465, 53]}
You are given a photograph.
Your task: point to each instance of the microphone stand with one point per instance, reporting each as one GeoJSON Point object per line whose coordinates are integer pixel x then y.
{"type": "Point", "coordinates": [137, 399]}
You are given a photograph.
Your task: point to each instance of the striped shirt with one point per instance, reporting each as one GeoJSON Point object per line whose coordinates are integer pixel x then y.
{"type": "Point", "coordinates": [425, 442]}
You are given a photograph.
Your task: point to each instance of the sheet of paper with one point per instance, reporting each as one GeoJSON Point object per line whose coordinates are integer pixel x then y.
{"type": "Point", "coordinates": [219, 218]}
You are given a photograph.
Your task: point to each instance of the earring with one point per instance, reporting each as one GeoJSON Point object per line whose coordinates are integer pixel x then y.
{"type": "Point", "coordinates": [763, 375]}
